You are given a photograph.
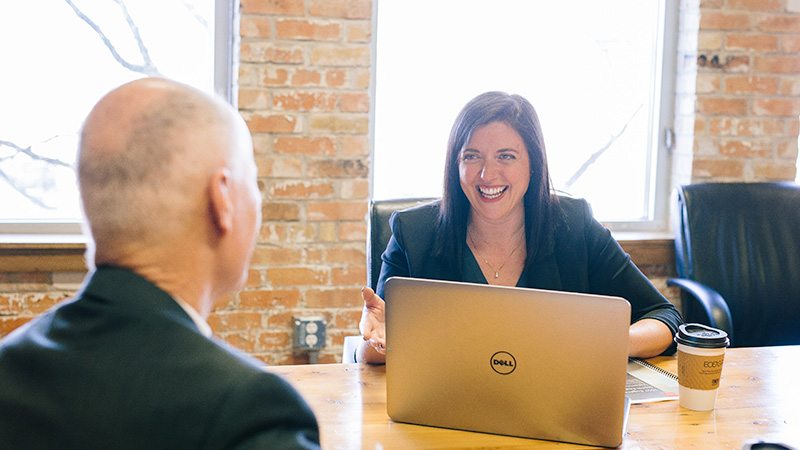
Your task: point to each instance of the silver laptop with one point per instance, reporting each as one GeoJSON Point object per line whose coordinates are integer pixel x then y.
{"type": "Point", "coordinates": [503, 360]}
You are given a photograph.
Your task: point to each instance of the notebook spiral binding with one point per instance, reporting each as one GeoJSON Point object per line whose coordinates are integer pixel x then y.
{"type": "Point", "coordinates": [655, 368]}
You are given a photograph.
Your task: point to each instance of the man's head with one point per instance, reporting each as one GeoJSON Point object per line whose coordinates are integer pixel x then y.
{"type": "Point", "coordinates": [166, 169]}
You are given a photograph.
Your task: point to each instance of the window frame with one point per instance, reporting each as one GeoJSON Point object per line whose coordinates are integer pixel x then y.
{"type": "Point", "coordinates": [226, 59]}
{"type": "Point", "coordinates": [659, 180]}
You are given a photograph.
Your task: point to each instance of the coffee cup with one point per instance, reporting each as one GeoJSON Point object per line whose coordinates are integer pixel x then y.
{"type": "Point", "coordinates": [701, 350]}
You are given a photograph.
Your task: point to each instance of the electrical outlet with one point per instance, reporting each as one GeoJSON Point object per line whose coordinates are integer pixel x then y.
{"type": "Point", "coordinates": [309, 333]}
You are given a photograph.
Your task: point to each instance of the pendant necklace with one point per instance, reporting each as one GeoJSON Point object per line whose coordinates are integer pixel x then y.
{"type": "Point", "coordinates": [496, 271]}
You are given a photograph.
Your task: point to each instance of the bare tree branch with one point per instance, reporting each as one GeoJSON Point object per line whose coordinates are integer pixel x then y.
{"type": "Point", "coordinates": [190, 7]}
{"type": "Point", "coordinates": [596, 155]}
{"type": "Point", "coordinates": [27, 151]}
{"type": "Point", "coordinates": [148, 68]}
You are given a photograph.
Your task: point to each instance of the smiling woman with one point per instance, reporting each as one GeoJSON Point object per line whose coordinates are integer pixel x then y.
{"type": "Point", "coordinates": [600, 79]}
{"type": "Point", "coordinates": [120, 41]}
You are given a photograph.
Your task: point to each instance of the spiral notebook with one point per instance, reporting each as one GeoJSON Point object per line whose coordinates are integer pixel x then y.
{"type": "Point", "coordinates": [649, 383]}
{"type": "Point", "coordinates": [504, 360]}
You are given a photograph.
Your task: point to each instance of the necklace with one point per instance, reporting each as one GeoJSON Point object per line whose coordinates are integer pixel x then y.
{"type": "Point", "coordinates": [496, 271]}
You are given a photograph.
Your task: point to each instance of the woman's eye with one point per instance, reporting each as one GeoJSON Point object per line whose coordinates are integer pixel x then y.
{"type": "Point", "coordinates": [508, 157]}
{"type": "Point", "coordinates": [469, 157]}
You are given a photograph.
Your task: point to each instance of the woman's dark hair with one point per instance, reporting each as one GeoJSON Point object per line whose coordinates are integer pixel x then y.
{"type": "Point", "coordinates": [516, 112]}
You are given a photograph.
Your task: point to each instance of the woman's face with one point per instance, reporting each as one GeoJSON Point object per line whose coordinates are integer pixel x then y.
{"type": "Point", "coordinates": [494, 171]}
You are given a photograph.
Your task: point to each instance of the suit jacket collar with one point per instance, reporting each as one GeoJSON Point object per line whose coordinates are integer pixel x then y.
{"type": "Point", "coordinates": [127, 290]}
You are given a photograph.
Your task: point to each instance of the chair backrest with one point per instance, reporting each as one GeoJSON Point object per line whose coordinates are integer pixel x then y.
{"type": "Point", "coordinates": [378, 231]}
{"type": "Point", "coordinates": [743, 240]}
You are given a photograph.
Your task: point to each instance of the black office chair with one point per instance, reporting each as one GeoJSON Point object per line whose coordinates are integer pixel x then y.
{"type": "Point", "coordinates": [378, 231]}
{"type": "Point", "coordinates": [738, 255]}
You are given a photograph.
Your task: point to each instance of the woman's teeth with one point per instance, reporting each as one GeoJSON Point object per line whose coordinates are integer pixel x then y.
{"type": "Point", "coordinates": [492, 193]}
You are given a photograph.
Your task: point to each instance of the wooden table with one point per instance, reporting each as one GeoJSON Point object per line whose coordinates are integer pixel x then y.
{"type": "Point", "coordinates": [759, 398]}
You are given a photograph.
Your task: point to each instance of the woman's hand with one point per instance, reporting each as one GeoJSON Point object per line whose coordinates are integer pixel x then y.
{"type": "Point", "coordinates": [373, 328]}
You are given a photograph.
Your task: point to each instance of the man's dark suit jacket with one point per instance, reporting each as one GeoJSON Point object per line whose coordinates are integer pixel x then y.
{"type": "Point", "coordinates": [124, 366]}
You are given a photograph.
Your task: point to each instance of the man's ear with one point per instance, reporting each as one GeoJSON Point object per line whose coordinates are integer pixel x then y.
{"type": "Point", "coordinates": [220, 201]}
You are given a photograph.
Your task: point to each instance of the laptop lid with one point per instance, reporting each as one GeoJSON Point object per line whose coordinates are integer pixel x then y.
{"type": "Point", "coordinates": [505, 360]}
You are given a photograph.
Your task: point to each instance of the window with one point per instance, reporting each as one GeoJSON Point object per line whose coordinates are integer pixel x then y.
{"type": "Point", "coordinates": [594, 71]}
{"type": "Point", "coordinates": [60, 57]}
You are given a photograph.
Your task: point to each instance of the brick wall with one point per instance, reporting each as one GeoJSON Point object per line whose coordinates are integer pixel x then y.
{"type": "Point", "coordinates": [304, 92]}
{"type": "Point", "coordinates": [748, 90]}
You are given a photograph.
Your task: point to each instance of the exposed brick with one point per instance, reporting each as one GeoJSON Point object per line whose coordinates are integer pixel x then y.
{"type": "Point", "coordinates": [268, 52]}
{"type": "Point", "coordinates": [745, 127]}
{"type": "Point", "coordinates": [239, 340]}
{"type": "Point", "coordinates": [789, 23]}
{"type": "Point", "coordinates": [282, 7]}
{"type": "Point", "coordinates": [347, 319]}
{"type": "Point", "coordinates": [302, 190]}
{"type": "Point", "coordinates": [248, 74]}
{"type": "Point", "coordinates": [319, 211]}
{"type": "Point", "coordinates": [253, 278]}
{"type": "Point", "coordinates": [773, 170]}
{"type": "Point", "coordinates": [280, 211]}
{"type": "Point", "coordinates": [751, 85]}
{"type": "Point", "coordinates": [714, 105]}
{"type": "Point", "coordinates": [745, 148]}
{"type": "Point", "coordinates": [254, 26]}
{"type": "Point", "coordinates": [363, 78]}
{"type": "Point", "coordinates": [790, 44]}
{"type": "Point", "coordinates": [252, 98]}
{"type": "Point", "coordinates": [9, 324]}
{"type": "Point", "coordinates": [272, 76]}
{"type": "Point", "coordinates": [276, 256]}
{"type": "Point", "coordinates": [336, 55]}
{"type": "Point", "coordinates": [348, 276]}
{"type": "Point", "coordinates": [340, 124]}
{"type": "Point", "coordinates": [334, 298]}
{"type": "Point", "coordinates": [348, 9]}
{"type": "Point", "coordinates": [354, 189]}
{"type": "Point", "coordinates": [755, 42]}
{"type": "Point", "coordinates": [259, 123]}
{"type": "Point", "coordinates": [338, 168]}
{"type": "Point", "coordinates": [297, 276]}
{"type": "Point", "coordinates": [708, 83]}
{"type": "Point", "coordinates": [228, 302]}
{"type": "Point", "coordinates": [283, 234]}
{"type": "Point", "coordinates": [355, 145]}
{"type": "Point", "coordinates": [756, 5]}
{"type": "Point", "coordinates": [335, 78]}
{"type": "Point", "coordinates": [279, 167]}
{"type": "Point", "coordinates": [274, 340]}
{"type": "Point", "coordinates": [709, 40]}
{"type": "Point", "coordinates": [305, 146]}
{"type": "Point", "coordinates": [359, 32]}
{"type": "Point", "coordinates": [305, 101]}
{"type": "Point", "coordinates": [724, 21]}
{"type": "Point", "coordinates": [345, 254]}
{"type": "Point", "coordinates": [235, 320]}
{"type": "Point", "coordinates": [270, 299]}
{"type": "Point", "coordinates": [787, 149]}
{"type": "Point", "coordinates": [281, 318]}
{"type": "Point", "coordinates": [717, 168]}
{"type": "Point", "coordinates": [303, 77]}
{"type": "Point", "coordinates": [777, 64]}
{"type": "Point", "coordinates": [304, 29]}
{"type": "Point", "coordinates": [327, 232]}
{"type": "Point", "coordinates": [353, 231]}
{"type": "Point", "coordinates": [355, 103]}
{"type": "Point", "coordinates": [776, 106]}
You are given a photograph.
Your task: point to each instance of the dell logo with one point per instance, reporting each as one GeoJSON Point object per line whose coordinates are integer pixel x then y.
{"type": "Point", "coordinates": [503, 363]}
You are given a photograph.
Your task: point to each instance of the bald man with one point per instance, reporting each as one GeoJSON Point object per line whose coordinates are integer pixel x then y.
{"type": "Point", "coordinates": [168, 185]}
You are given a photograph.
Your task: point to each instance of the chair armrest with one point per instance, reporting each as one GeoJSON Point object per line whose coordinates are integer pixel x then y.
{"type": "Point", "coordinates": [711, 301]}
